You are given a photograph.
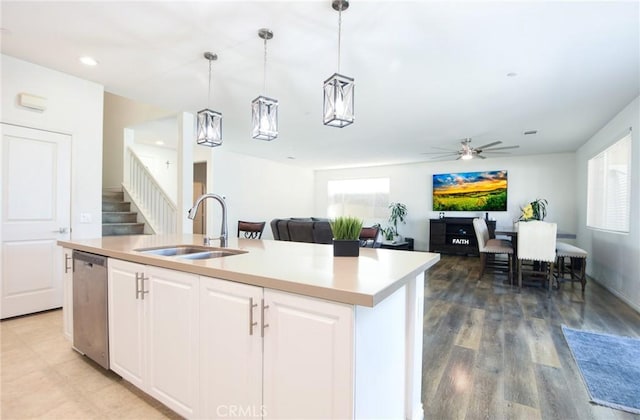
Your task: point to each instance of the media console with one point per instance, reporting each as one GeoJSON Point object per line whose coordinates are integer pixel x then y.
{"type": "Point", "coordinates": [455, 235]}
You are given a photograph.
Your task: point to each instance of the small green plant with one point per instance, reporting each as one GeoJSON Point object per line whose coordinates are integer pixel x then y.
{"type": "Point", "coordinates": [346, 228]}
{"type": "Point", "coordinates": [398, 214]}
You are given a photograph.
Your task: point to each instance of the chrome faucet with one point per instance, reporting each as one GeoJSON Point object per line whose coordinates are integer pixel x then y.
{"type": "Point", "coordinates": [224, 235]}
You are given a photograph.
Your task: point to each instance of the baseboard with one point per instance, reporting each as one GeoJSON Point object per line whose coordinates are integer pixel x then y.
{"type": "Point", "coordinates": [618, 295]}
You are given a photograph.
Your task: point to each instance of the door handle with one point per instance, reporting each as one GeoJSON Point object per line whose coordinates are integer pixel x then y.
{"type": "Point", "coordinates": [61, 230]}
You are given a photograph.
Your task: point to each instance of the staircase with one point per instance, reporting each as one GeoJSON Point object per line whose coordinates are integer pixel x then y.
{"type": "Point", "coordinates": [117, 217]}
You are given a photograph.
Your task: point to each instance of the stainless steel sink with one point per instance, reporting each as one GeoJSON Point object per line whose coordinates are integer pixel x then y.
{"type": "Point", "coordinates": [192, 252]}
{"type": "Point", "coordinates": [209, 254]}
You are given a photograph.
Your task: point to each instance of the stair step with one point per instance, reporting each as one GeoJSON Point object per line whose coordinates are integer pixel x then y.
{"type": "Point", "coordinates": [116, 206]}
{"type": "Point", "coordinates": [115, 229]}
{"type": "Point", "coordinates": [119, 217]}
{"type": "Point", "coordinates": [111, 196]}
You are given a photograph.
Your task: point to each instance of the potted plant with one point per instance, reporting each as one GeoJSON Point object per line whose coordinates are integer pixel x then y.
{"type": "Point", "coordinates": [346, 236]}
{"type": "Point", "coordinates": [398, 215]}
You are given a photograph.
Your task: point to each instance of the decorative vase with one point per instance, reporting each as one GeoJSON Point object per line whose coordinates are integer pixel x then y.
{"type": "Point", "coordinates": [346, 248]}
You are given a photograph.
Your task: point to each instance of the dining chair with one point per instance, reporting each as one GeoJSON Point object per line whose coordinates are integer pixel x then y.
{"type": "Point", "coordinates": [488, 246]}
{"type": "Point", "coordinates": [369, 237]}
{"type": "Point", "coordinates": [575, 266]}
{"type": "Point", "coordinates": [537, 243]}
{"type": "Point", "coordinates": [250, 230]}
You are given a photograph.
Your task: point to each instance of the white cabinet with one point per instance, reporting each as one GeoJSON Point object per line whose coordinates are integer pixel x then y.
{"type": "Point", "coordinates": [172, 339]}
{"type": "Point", "coordinates": [126, 321]}
{"type": "Point", "coordinates": [67, 287]}
{"type": "Point", "coordinates": [231, 349]}
{"type": "Point", "coordinates": [302, 367]}
{"type": "Point", "coordinates": [308, 357]}
{"type": "Point", "coordinates": [153, 343]}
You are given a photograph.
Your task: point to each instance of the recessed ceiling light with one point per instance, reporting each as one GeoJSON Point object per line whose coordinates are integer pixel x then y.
{"type": "Point", "coordinates": [88, 61]}
{"type": "Point", "coordinates": [512, 74]}
{"type": "Point", "coordinates": [526, 133]}
{"type": "Point", "coordinates": [159, 142]}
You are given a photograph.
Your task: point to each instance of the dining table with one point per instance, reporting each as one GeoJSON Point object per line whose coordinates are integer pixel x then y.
{"type": "Point", "coordinates": [512, 233]}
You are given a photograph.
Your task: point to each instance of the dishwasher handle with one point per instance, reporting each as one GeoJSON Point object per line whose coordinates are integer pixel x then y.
{"type": "Point", "coordinates": [91, 259]}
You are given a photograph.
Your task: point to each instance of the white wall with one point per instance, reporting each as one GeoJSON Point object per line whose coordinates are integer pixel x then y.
{"type": "Point", "coordinates": [155, 159]}
{"type": "Point", "coordinates": [529, 177]}
{"type": "Point", "coordinates": [614, 259]}
{"type": "Point", "coordinates": [257, 190]}
{"type": "Point", "coordinates": [74, 106]}
{"type": "Point", "coordinates": [120, 113]}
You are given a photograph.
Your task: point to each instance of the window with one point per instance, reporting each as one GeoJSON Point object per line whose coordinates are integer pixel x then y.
{"type": "Point", "coordinates": [609, 187]}
{"type": "Point", "coordinates": [364, 198]}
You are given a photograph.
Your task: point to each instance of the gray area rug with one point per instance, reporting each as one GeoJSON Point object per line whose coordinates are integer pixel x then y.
{"type": "Point", "coordinates": [610, 367]}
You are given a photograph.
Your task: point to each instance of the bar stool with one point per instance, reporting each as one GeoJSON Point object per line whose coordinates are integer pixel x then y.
{"type": "Point", "coordinates": [250, 230]}
{"type": "Point", "coordinates": [576, 266]}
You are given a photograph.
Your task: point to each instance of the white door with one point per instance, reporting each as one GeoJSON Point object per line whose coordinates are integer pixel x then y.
{"type": "Point", "coordinates": [36, 200]}
{"type": "Point", "coordinates": [230, 350]}
{"type": "Point", "coordinates": [308, 358]}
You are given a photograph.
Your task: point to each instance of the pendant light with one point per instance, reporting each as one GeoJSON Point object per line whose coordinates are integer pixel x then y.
{"type": "Point", "coordinates": [264, 110]}
{"type": "Point", "coordinates": [209, 128]}
{"type": "Point", "coordinates": [338, 89]}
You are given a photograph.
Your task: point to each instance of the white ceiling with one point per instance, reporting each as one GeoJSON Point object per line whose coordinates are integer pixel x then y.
{"type": "Point", "coordinates": [427, 73]}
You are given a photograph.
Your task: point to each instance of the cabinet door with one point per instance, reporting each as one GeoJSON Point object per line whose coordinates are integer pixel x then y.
{"type": "Point", "coordinates": [308, 357]}
{"type": "Point", "coordinates": [172, 339]}
{"type": "Point", "coordinates": [67, 300]}
{"type": "Point", "coordinates": [230, 349]}
{"type": "Point", "coordinates": [126, 316]}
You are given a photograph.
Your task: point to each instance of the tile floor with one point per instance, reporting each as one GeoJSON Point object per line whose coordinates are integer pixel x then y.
{"type": "Point", "coordinates": [42, 377]}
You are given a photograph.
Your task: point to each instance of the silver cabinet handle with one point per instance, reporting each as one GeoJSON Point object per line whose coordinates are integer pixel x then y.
{"type": "Point", "coordinates": [137, 285]}
{"type": "Point", "coordinates": [252, 323]}
{"type": "Point", "coordinates": [263, 325]}
{"type": "Point", "coordinates": [67, 267]}
{"type": "Point", "coordinates": [140, 292]}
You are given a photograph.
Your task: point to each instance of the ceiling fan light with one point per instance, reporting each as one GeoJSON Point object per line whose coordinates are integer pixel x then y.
{"type": "Point", "coordinates": [209, 128]}
{"type": "Point", "coordinates": [467, 155]}
{"type": "Point", "coordinates": [264, 113]}
{"type": "Point", "coordinates": [338, 101]}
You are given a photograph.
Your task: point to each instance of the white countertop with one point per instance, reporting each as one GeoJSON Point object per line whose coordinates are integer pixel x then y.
{"type": "Point", "coordinates": [295, 267]}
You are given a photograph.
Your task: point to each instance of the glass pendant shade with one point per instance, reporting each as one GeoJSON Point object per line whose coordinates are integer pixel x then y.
{"type": "Point", "coordinates": [264, 113]}
{"type": "Point", "coordinates": [209, 128]}
{"type": "Point", "coordinates": [338, 101]}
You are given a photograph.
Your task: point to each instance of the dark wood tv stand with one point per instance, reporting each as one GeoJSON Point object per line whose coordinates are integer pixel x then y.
{"type": "Point", "coordinates": [455, 235]}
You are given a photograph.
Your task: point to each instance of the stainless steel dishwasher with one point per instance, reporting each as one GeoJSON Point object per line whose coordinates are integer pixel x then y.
{"type": "Point", "coordinates": [90, 318]}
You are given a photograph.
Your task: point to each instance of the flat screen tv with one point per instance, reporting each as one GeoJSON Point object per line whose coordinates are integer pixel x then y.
{"type": "Point", "coordinates": [470, 191]}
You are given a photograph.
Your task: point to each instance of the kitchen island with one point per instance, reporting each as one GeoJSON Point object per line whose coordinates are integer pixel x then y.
{"type": "Point", "coordinates": [280, 330]}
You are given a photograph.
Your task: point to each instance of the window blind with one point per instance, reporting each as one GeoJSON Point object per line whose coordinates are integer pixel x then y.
{"type": "Point", "coordinates": [609, 187]}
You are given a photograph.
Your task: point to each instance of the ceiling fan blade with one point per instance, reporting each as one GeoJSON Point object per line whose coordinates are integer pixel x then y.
{"type": "Point", "coordinates": [495, 153]}
{"type": "Point", "coordinates": [451, 152]}
{"type": "Point", "coordinates": [488, 145]}
{"type": "Point", "coordinates": [443, 156]}
{"type": "Point", "coordinates": [481, 157]}
{"type": "Point", "coordinates": [501, 148]}
{"type": "Point", "coordinates": [442, 148]}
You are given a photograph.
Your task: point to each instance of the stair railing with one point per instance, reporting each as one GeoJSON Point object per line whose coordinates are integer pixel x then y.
{"type": "Point", "coordinates": [149, 196]}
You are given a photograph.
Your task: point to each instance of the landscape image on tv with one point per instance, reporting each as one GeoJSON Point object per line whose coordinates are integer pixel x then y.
{"type": "Point", "coordinates": [470, 191]}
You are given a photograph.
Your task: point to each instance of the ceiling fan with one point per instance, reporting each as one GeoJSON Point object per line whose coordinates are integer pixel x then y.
{"type": "Point", "coordinates": [468, 152]}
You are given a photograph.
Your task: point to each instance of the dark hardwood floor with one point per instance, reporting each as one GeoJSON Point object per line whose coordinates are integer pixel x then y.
{"type": "Point", "coordinates": [491, 352]}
